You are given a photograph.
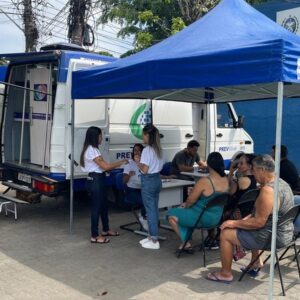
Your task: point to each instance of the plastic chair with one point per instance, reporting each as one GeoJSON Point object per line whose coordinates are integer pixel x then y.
{"type": "Point", "coordinates": [166, 170]}
{"type": "Point", "coordinates": [248, 197]}
{"type": "Point", "coordinates": [296, 229]}
{"type": "Point", "coordinates": [111, 179]}
{"type": "Point", "coordinates": [219, 200]}
{"type": "Point", "coordinates": [134, 206]}
{"type": "Point", "coordinates": [289, 216]}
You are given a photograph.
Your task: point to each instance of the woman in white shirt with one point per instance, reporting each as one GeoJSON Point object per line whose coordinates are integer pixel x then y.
{"type": "Point", "coordinates": [132, 179]}
{"type": "Point", "coordinates": [93, 163]}
{"type": "Point", "coordinates": [151, 164]}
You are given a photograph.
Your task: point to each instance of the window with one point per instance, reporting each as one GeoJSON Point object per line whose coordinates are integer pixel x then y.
{"type": "Point", "coordinates": [224, 116]}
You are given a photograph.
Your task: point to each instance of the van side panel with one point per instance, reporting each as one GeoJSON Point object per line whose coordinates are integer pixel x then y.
{"type": "Point", "coordinates": [128, 117]}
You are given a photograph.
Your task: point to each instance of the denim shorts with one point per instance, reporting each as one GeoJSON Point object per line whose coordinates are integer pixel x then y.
{"type": "Point", "coordinates": [247, 239]}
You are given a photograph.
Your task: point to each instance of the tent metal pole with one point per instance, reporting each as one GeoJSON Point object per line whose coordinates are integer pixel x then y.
{"type": "Point", "coordinates": [23, 118]}
{"type": "Point", "coordinates": [207, 143]}
{"type": "Point", "coordinates": [277, 170]}
{"type": "Point", "coordinates": [72, 166]}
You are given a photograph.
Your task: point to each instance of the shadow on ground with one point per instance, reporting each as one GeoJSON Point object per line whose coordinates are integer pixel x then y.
{"type": "Point", "coordinates": [39, 259]}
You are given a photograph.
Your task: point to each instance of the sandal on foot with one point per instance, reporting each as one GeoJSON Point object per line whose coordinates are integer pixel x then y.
{"type": "Point", "coordinates": [214, 277]}
{"type": "Point", "coordinates": [100, 241]}
{"type": "Point", "coordinates": [188, 250]}
{"type": "Point", "coordinates": [111, 233]}
{"type": "Point", "coordinates": [252, 272]}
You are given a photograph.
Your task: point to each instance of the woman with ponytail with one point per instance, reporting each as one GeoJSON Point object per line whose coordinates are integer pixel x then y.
{"type": "Point", "coordinates": [150, 165]}
{"type": "Point", "coordinates": [183, 219]}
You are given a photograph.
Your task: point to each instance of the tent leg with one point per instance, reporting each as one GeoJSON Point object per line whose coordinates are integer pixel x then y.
{"type": "Point", "coordinates": [277, 170]}
{"type": "Point", "coordinates": [72, 169]}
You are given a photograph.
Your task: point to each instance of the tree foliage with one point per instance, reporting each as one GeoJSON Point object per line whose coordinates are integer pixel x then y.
{"type": "Point", "coordinates": [151, 21]}
{"type": "Point", "coordinates": [105, 53]}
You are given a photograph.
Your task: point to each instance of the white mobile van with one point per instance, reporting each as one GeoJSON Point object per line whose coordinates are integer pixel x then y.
{"type": "Point", "coordinates": [178, 123]}
{"type": "Point", "coordinates": [36, 124]}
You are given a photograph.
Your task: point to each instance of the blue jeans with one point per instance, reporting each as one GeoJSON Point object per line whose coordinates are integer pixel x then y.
{"type": "Point", "coordinates": [151, 186]}
{"type": "Point", "coordinates": [99, 207]}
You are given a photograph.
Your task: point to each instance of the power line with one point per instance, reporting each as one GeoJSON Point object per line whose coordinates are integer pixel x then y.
{"type": "Point", "coordinates": [51, 20]}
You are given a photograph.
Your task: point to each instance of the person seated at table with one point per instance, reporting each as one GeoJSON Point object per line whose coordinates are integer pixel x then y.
{"type": "Point", "coordinates": [241, 184]}
{"type": "Point", "coordinates": [288, 171]}
{"type": "Point", "coordinates": [253, 231]}
{"type": "Point", "coordinates": [185, 159]}
{"type": "Point", "coordinates": [183, 219]}
{"type": "Point", "coordinates": [233, 171]}
{"type": "Point", "coordinates": [132, 179]}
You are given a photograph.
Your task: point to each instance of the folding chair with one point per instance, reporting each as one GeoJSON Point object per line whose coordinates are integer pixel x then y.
{"type": "Point", "coordinates": [296, 230]}
{"type": "Point", "coordinates": [289, 216]}
{"type": "Point", "coordinates": [219, 200]}
{"type": "Point", "coordinates": [134, 206]}
{"type": "Point", "coordinates": [166, 170]}
{"type": "Point", "coordinates": [248, 197]}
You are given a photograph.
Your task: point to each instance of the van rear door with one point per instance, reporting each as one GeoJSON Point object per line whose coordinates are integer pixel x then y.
{"type": "Point", "coordinates": [88, 112]}
{"type": "Point", "coordinates": [40, 114]}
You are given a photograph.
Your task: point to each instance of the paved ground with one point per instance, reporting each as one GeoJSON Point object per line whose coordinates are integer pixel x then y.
{"type": "Point", "coordinates": [39, 259]}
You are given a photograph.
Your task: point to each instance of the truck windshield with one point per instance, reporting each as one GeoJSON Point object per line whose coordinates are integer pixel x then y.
{"type": "Point", "coordinates": [224, 116]}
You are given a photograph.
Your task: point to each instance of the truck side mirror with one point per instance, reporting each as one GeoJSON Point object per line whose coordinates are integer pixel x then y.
{"type": "Point", "coordinates": [240, 122]}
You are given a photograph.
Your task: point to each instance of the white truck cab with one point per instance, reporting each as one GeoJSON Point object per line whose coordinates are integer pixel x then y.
{"type": "Point", "coordinates": [216, 126]}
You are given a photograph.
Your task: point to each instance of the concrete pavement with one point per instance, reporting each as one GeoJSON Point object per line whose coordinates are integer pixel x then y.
{"type": "Point", "coordinates": [39, 259]}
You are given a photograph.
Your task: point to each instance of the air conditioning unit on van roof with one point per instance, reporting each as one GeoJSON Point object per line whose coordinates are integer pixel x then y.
{"type": "Point", "coordinates": [62, 46]}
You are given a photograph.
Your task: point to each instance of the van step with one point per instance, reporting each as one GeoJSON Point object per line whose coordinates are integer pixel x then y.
{"type": "Point", "coordinates": [10, 204]}
{"type": "Point", "coordinates": [16, 186]}
{"type": "Point", "coordinates": [13, 199]}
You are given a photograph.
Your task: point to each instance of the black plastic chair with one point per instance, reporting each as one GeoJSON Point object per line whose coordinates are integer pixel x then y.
{"type": "Point", "coordinates": [249, 197]}
{"type": "Point", "coordinates": [296, 230]}
{"type": "Point", "coordinates": [219, 200]}
{"type": "Point", "coordinates": [133, 205]}
{"type": "Point", "coordinates": [166, 170]}
{"type": "Point", "coordinates": [289, 216]}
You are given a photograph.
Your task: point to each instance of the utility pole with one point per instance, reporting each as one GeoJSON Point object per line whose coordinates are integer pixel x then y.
{"type": "Point", "coordinates": [30, 28]}
{"type": "Point", "coordinates": [77, 20]}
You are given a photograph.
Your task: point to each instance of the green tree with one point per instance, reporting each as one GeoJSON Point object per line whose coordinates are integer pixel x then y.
{"type": "Point", "coordinates": [151, 21]}
{"type": "Point", "coordinates": [148, 21]}
{"type": "Point", "coordinates": [105, 53]}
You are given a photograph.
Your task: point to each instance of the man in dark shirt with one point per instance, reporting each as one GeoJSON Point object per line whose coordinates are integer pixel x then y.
{"type": "Point", "coordinates": [184, 160]}
{"type": "Point", "coordinates": [288, 171]}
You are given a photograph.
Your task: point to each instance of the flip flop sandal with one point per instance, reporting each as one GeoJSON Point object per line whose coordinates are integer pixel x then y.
{"type": "Point", "coordinates": [99, 241]}
{"type": "Point", "coordinates": [251, 272]}
{"type": "Point", "coordinates": [115, 233]}
{"type": "Point", "coordinates": [215, 278]}
{"type": "Point", "coordinates": [188, 250]}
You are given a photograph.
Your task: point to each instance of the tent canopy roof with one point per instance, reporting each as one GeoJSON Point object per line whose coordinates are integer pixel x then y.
{"type": "Point", "coordinates": [232, 53]}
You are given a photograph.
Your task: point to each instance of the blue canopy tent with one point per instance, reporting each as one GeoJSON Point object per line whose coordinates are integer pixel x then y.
{"type": "Point", "coordinates": [232, 45]}
{"type": "Point", "coordinates": [233, 53]}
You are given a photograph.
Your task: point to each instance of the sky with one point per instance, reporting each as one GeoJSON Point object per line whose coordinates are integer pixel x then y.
{"type": "Point", "coordinates": [11, 38]}
{"type": "Point", "coordinates": [52, 21]}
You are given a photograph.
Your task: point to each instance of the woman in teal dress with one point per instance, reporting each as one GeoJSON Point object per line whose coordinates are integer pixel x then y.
{"type": "Point", "coordinates": [183, 218]}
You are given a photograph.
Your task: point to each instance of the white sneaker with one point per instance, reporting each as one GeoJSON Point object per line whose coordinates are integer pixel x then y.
{"type": "Point", "coordinates": [144, 241]}
{"type": "Point", "coordinates": [144, 223]}
{"type": "Point", "coordinates": [151, 245]}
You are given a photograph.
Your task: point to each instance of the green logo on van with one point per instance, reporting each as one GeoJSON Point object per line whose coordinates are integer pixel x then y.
{"type": "Point", "coordinates": [139, 119]}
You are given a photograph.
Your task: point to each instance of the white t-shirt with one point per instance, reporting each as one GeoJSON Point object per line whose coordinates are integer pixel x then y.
{"type": "Point", "coordinates": [150, 159]}
{"type": "Point", "coordinates": [89, 165]}
{"type": "Point", "coordinates": [135, 180]}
